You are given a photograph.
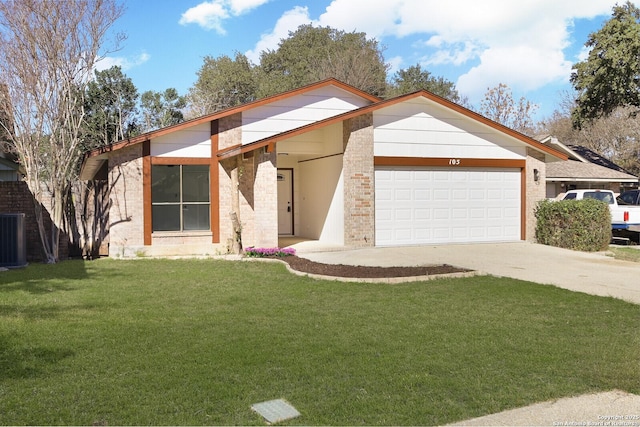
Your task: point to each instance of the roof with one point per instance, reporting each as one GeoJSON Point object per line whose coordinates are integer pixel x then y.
{"type": "Point", "coordinates": [595, 158]}
{"type": "Point", "coordinates": [584, 165]}
{"type": "Point", "coordinates": [574, 170]}
{"type": "Point", "coordinates": [6, 164]}
{"type": "Point", "coordinates": [231, 151]}
{"type": "Point", "coordinates": [92, 163]}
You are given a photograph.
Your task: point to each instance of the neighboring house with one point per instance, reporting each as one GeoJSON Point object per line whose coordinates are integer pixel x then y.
{"type": "Point", "coordinates": [325, 162]}
{"type": "Point", "coordinates": [9, 170]}
{"type": "Point", "coordinates": [585, 169]}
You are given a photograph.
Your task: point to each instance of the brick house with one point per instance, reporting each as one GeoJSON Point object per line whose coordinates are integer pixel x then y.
{"type": "Point", "coordinates": [324, 162]}
{"type": "Point", "coordinates": [584, 169]}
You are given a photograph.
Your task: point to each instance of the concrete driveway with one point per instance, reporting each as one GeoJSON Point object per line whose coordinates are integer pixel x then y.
{"type": "Point", "coordinates": [593, 273]}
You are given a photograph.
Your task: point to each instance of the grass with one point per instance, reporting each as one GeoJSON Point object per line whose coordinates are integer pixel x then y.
{"type": "Point", "coordinates": [196, 342]}
{"type": "Point", "coordinates": [625, 254]}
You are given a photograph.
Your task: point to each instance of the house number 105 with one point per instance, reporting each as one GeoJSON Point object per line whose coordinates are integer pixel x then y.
{"type": "Point", "coordinates": [454, 162]}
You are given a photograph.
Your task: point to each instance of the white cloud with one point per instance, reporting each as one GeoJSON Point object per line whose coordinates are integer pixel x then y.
{"type": "Point", "coordinates": [211, 14]}
{"type": "Point", "coordinates": [376, 18]}
{"type": "Point", "coordinates": [290, 21]}
{"type": "Point", "coordinates": [238, 7]}
{"type": "Point", "coordinates": [520, 43]}
{"type": "Point", "coordinates": [523, 44]}
{"type": "Point", "coordinates": [208, 15]}
{"type": "Point", "coordinates": [122, 62]}
{"type": "Point", "coordinates": [532, 69]}
{"type": "Point", "coordinates": [452, 53]}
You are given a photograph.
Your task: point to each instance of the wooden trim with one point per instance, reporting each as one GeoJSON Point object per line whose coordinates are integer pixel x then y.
{"type": "Point", "coordinates": [180, 160]}
{"type": "Point", "coordinates": [214, 183]}
{"type": "Point", "coordinates": [320, 158]}
{"type": "Point", "coordinates": [146, 192]}
{"type": "Point", "coordinates": [448, 162]}
{"type": "Point", "coordinates": [523, 203]}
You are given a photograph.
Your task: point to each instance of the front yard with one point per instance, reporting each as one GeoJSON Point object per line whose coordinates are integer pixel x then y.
{"type": "Point", "coordinates": [197, 342]}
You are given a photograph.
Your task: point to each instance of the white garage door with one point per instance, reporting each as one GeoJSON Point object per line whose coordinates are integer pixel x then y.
{"type": "Point", "coordinates": [440, 205]}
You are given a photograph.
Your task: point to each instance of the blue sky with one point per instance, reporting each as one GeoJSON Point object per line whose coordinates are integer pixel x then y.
{"type": "Point", "coordinates": [530, 45]}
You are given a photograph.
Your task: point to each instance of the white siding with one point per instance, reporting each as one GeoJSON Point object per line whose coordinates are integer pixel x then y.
{"type": "Point", "coordinates": [191, 142]}
{"type": "Point", "coordinates": [296, 111]}
{"type": "Point", "coordinates": [322, 200]}
{"type": "Point", "coordinates": [420, 128]}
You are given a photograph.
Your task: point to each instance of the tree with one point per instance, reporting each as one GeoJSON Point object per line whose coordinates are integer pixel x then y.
{"type": "Point", "coordinates": [615, 136]}
{"type": "Point", "coordinates": [609, 77]}
{"type": "Point", "coordinates": [415, 78]}
{"type": "Point", "coordinates": [161, 109]}
{"type": "Point", "coordinates": [48, 50]}
{"type": "Point", "coordinates": [6, 118]}
{"type": "Point", "coordinates": [222, 83]}
{"type": "Point", "coordinates": [311, 54]}
{"type": "Point", "coordinates": [110, 108]}
{"type": "Point", "coordinates": [499, 106]}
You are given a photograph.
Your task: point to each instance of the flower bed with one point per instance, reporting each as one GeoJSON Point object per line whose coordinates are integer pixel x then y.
{"type": "Point", "coordinates": [268, 252]}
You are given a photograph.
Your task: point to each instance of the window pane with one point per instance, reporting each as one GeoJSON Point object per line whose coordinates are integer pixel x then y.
{"type": "Point", "coordinates": [165, 184]}
{"type": "Point", "coordinates": [195, 183]}
{"type": "Point", "coordinates": [166, 217]}
{"type": "Point", "coordinates": [196, 217]}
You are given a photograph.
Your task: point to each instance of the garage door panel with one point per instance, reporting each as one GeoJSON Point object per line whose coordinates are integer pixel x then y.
{"type": "Point", "coordinates": [422, 214]}
{"type": "Point", "coordinates": [447, 205]}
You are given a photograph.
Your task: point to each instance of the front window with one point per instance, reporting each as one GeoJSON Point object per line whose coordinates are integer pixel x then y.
{"type": "Point", "coordinates": [180, 197]}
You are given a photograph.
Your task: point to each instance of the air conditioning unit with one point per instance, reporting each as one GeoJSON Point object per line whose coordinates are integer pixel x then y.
{"type": "Point", "coordinates": [13, 242]}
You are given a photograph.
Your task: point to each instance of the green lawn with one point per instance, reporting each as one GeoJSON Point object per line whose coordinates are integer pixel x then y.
{"type": "Point", "coordinates": [175, 342]}
{"type": "Point", "coordinates": [625, 254]}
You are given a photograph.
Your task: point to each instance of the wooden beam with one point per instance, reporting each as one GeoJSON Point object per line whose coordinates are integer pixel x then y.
{"type": "Point", "coordinates": [146, 192]}
{"type": "Point", "coordinates": [214, 184]}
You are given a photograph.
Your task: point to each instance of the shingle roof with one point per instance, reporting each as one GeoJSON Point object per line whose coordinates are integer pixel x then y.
{"type": "Point", "coordinates": [573, 170]}
{"type": "Point", "coordinates": [596, 158]}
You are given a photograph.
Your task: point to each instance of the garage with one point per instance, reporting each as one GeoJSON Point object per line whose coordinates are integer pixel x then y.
{"type": "Point", "coordinates": [434, 205]}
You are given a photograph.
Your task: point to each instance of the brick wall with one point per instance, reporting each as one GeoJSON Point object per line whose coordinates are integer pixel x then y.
{"type": "Point", "coordinates": [126, 210]}
{"type": "Point", "coordinates": [230, 134]}
{"type": "Point", "coordinates": [535, 190]}
{"type": "Point", "coordinates": [15, 197]}
{"type": "Point", "coordinates": [258, 190]}
{"type": "Point", "coordinates": [266, 199]}
{"type": "Point", "coordinates": [358, 172]}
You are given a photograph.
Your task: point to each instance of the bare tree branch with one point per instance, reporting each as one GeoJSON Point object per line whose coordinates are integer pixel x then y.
{"type": "Point", "coordinates": [48, 50]}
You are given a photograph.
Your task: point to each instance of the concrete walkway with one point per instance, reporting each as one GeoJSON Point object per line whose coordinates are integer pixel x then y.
{"type": "Point", "coordinates": [592, 273]}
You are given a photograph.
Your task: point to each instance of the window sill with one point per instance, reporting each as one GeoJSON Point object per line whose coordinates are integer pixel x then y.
{"type": "Point", "coordinates": [190, 233]}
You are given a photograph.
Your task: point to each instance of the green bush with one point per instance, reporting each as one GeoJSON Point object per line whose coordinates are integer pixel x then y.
{"type": "Point", "coordinates": [583, 225]}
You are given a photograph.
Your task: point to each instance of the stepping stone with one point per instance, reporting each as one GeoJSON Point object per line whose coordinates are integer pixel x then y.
{"type": "Point", "coordinates": [275, 411]}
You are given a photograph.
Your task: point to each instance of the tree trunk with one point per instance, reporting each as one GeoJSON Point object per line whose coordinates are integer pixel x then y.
{"type": "Point", "coordinates": [236, 243]}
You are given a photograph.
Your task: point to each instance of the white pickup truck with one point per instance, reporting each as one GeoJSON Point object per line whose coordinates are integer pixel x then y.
{"type": "Point", "coordinates": [623, 218]}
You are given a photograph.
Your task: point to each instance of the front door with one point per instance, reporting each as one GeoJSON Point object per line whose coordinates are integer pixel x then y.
{"type": "Point", "coordinates": [285, 201]}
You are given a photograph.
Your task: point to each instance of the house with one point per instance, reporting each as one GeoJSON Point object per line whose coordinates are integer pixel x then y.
{"type": "Point", "coordinates": [325, 162]}
{"type": "Point", "coordinates": [9, 169]}
{"type": "Point", "coordinates": [584, 169]}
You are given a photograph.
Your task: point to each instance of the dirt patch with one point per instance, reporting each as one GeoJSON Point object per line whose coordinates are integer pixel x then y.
{"type": "Point", "coordinates": [365, 272]}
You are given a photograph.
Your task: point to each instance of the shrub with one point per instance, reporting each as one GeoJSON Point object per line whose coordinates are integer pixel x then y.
{"type": "Point", "coordinates": [268, 252]}
{"type": "Point", "coordinates": [583, 225]}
